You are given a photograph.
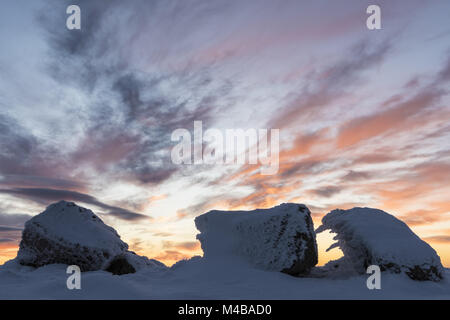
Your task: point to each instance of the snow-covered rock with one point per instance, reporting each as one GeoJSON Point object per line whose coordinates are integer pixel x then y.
{"type": "Point", "coordinates": [373, 237]}
{"type": "Point", "coordinates": [130, 262]}
{"type": "Point", "coordinates": [68, 234]}
{"type": "Point", "coordinates": [281, 238]}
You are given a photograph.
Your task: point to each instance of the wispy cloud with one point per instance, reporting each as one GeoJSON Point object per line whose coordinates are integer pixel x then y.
{"type": "Point", "coordinates": [44, 196]}
{"type": "Point", "coordinates": [441, 239]}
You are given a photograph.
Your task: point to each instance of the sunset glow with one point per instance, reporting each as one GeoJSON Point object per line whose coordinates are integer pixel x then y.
{"type": "Point", "coordinates": [87, 116]}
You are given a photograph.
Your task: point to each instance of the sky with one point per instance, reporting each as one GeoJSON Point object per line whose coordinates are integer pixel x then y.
{"type": "Point", "coordinates": [87, 115]}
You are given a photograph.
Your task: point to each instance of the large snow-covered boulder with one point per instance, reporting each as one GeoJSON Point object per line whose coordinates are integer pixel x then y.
{"type": "Point", "coordinates": [281, 238]}
{"type": "Point", "coordinates": [369, 236]}
{"type": "Point", "coordinates": [68, 234]}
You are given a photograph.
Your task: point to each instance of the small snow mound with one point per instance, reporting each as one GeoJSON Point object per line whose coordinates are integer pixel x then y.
{"type": "Point", "coordinates": [143, 263]}
{"type": "Point", "coordinates": [369, 236]}
{"type": "Point", "coordinates": [281, 238]}
{"type": "Point", "coordinates": [69, 234]}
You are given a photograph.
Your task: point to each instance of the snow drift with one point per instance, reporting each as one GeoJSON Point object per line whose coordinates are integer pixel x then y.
{"type": "Point", "coordinates": [281, 238]}
{"type": "Point", "coordinates": [68, 234]}
{"type": "Point", "coordinates": [373, 237]}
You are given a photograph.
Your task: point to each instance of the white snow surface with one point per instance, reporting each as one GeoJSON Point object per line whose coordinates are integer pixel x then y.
{"type": "Point", "coordinates": [69, 221]}
{"type": "Point", "coordinates": [205, 279]}
{"type": "Point", "coordinates": [265, 238]}
{"type": "Point", "coordinates": [371, 233]}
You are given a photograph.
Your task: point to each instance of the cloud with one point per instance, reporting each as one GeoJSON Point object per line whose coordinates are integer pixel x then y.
{"type": "Point", "coordinates": [27, 161]}
{"type": "Point", "coordinates": [6, 228]}
{"type": "Point", "coordinates": [182, 246]}
{"type": "Point", "coordinates": [403, 114]}
{"type": "Point", "coordinates": [327, 191]}
{"type": "Point", "coordinates": [19, 151]}
{"type": "Point", "coordinates": [8, 249]}
{"type": "Point", "coordinates": [23, 180]}
{"type": "Point", "coordinates": [14, 220]}
{"type": "Point", "coordinates": [305, 166]}
{"type": "Point", "coordinates": [162, 234]}
{"type": "Point", "coordinates": [11, 226]}
{"type": "Point", "coordinates": [440, 239]}
{"type": "Point", "coordinates": [43, 196]}
{"type": "Point", "coordinates": [304, 144]}
{"type": "Point", "coordinates": [375, 157]}
{"type": "Point", "coordinates": [136, 245]}
{"type": "Point", "coordinates": [395, 118]}
{"type": "Point", "coordinates": [171, 256]}
{"type": "Point", "coordinates": [444, 74]}
{"type": "Point", "coordinates": [356, 175]}
{"type": "Point", "coordinates": [6, 240]}
{"type": "Point", "coordinates": [128, 122]}
{"type": "Point", "coordinates": [202, 206]}
{"type": "Point", "coordinates": [327, 85]}
{"type": "Point", "coordinates": [421, 217]}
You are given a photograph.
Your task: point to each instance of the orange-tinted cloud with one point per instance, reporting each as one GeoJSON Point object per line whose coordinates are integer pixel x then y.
{"type": "Point", "coordinates": [8, 250]}
{"type": "Point", "coordinates": [330, 84]}
{"type": "Point", "coordinates": [439, 238]}
{"type": "Point", "coordinates": [304, 143]}
{"type": "Point", "coordinates": [395, 118]}
{"type": "Point", "coordinates": [169, 257]}
{"type": "Point", "coordinates": [182, 246]}
{"type": "Point", "coordinates": [376, 157]}
{"type": "Point", "coordinates": [421, 217]}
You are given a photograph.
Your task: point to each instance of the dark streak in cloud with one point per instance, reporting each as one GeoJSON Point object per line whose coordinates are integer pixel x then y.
{"type": "Point", "coordinates": [377, 157]}
{"type": "Point", "coordinates": [22, 180]}
{"type": "Point", "coordinates": [43, 196]}
{"type": "Point", "coordinates": [305, 166]}
{"type": "Point", "coordinates": [162, 234]}
{"type": "Point", "coordinates": [14, 219]}
{"type": "Point", "coordinates": [6, 228]}
{"type": "Point", "coordinates": [183, 246]}
{"type": "Point", "coordinates": [327, 192]}
{"type": "Point", "coordinates": [11, 226]}
{"type": "Point", "coordinates": [444, 74]}
{"type": "Point", "coordinates": [6, 240]}
{"type": "Point", "coordinates": [356, 175]}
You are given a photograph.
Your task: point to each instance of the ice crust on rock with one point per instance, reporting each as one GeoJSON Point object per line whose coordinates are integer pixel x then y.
{"type": "Point", "coordinates": [369, 236]}
{"type": "Point", "coordinates": [281, 238]}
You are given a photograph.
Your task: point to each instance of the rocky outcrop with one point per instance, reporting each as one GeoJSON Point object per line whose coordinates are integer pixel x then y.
{"type": "Point", "coordinates": [373, 237]}
{"type": "Point", "coordinates": [68, 234]}
{"type": "Point", "coordinates": [281, 238]}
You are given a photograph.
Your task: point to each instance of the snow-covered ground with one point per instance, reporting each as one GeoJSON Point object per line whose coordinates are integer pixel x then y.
{"type": "Point", "coordinates": [200, 279]}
